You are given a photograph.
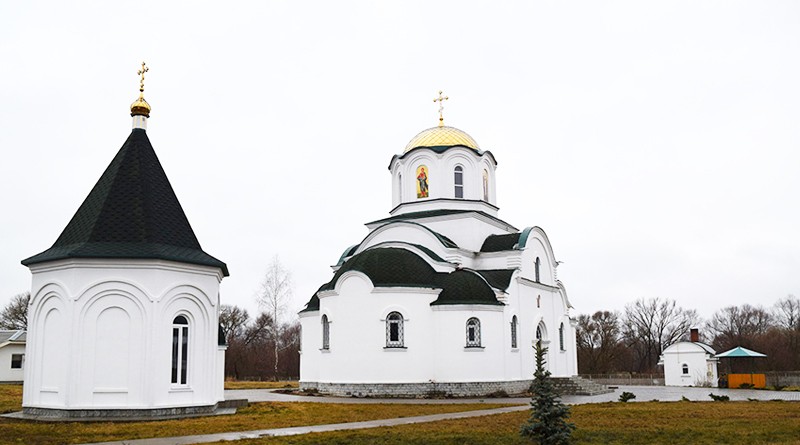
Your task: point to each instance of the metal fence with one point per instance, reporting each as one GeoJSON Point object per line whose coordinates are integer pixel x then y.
{"type": "Point", "coordinates": [626, 379]}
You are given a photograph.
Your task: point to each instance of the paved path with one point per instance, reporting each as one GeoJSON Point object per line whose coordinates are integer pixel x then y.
{"type": "Point", "coordinates": [643, 394]}
{"type": "Point", "coordinates": [206, 438]}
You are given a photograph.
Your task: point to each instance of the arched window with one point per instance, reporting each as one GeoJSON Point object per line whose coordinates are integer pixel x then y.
{"type": "Point", "coordinates": [486, 186]}
{"type": "Point", "coordinates": [539, 334]}
{"type": "Point", "coordinates": [400, 186]}
{"type": "Point", "coordinates": [536, 267]}
{"type": "Point", "coordinates": [514, 331]}
{"type": "Point", "coordinates": [473, 333]}
{"type": "Point", "coordinates": [685, 368]}
{"type": "Point", "coordinates": [458, 180]}
{"type": "Point", "coordinates": [561, 337]}
{"type": "Point", "coordinates": [394, 330]}
{"type": "Point", "coordinates": [180, 350]}
{"type": "Point", "coordinates": [326, 333]}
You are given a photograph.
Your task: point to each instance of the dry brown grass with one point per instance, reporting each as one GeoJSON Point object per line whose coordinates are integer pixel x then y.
{"type": "Point", "coordinates": [284, 384]}
{"type": "Point", "coordinates": [256, 416]}
{"type": "Point", "coordinates": [10, 398]}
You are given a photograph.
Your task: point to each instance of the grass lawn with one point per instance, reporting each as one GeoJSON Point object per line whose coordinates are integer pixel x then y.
{"type": "Point", "coordinates": [672, 423]}
{"type": "Point", "coordinates": [261, 385]}
{"type": "Point", "coordinates": [256, 416]}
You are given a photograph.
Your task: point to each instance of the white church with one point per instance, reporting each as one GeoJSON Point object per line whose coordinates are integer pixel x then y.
{"type": "Point", "coordinates": [123, 316]}
{"type": "Point", "coordinates": [442, 297]}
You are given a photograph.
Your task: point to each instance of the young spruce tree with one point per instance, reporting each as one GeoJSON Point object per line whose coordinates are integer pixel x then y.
{"type": "Point", "coordinates": [548, 422]}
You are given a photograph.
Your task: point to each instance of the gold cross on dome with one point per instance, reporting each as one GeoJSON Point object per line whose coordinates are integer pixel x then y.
{"type": "Point", "coordinates": [441, 100]}
{"type": "Point", "coordinates": [141, 73]}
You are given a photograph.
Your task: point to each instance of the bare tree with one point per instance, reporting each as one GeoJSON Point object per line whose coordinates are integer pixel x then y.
{"type": "Point", "coordinates": [739, 326]}
{"type": "Point", "coordinates": [598, 341]}
{"type": "Point", "coordinates": [274, 297]}
{"type": "Point", "coordinates": [652, 325]}
{"type": "Point", "coordinates": [233, 321]}
{"type": "Point", "coordinates": [15, 315]}
{"type": "Point", "coordinates": [787, 313]}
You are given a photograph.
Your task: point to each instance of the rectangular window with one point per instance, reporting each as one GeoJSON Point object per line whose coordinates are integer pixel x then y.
{"type": "Point", "coordinates": [175, 335]}
{"type": "Point", "coordinates": [184, 353]}
{"type": "Point", "coordinates": [16, 361]}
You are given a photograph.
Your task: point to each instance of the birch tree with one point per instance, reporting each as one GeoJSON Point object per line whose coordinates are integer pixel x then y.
{"type": "Point", "coordinates": [274, 298]}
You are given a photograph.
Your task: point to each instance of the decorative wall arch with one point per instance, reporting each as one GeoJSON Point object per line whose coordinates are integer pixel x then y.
{"type": "Point", "coordinates": [111, 346]}
{"type": "Point", "coordinates": [394, 308]}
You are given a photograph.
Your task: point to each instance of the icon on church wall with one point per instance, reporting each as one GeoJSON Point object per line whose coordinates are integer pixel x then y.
{"type": "Point", "coordinates": [486, 186]}
{"type": "Point", "coordinates": [422, 181]}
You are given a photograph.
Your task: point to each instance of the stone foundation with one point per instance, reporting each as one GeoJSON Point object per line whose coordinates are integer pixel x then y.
{"type": "Point", "coordinates": [419, 390]}
{"type": "Point", "coordinates": [117, 414]}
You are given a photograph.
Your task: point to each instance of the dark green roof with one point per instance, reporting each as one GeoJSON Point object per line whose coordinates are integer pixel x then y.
{"type": "Point", "coordinates": [131, 213]}
{"type": "Point", "coordinates": [388, 267]}
{"type": "Point", "coordinates": [397, 267]}
{"type": "Point", "coordinates": [498, 243]}
{"type": "Point", "coordinates": [439, 149]}
{"type": "Point", "coordinates": [433, 213]}
{"type": "Point", "coordinates": [497, 278]}
{"type": "Point", "coordinates": [465, 287]}
{"type": "Point", "coordinates": [313, 304]}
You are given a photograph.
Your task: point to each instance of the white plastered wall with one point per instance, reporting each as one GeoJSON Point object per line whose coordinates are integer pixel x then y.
{"type": "Point", "coordinates": [101, 334]}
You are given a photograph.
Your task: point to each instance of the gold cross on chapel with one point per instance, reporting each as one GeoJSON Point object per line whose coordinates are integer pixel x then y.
{"type": "Point", "coordinates": [441, 100]}
{"type": "Point", "coordinates": [141, 73]}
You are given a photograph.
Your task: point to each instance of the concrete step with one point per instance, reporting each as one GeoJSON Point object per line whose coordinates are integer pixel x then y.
{"type": "Point", "coordinates": [580, 386]}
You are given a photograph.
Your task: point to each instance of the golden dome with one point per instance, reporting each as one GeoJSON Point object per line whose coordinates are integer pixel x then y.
{"type": "Point", "coordinates": [442, 136]}
{"type": "Point", "coordinates": [140, 107]}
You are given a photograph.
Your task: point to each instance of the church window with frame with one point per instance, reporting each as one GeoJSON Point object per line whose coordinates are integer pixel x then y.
{"type": "Point", "coordinates": [685, 369]}
{"type": "Point", "coordinates": [458, 180]}
{"type": "Point", "coordinates": [485, 185]}
{"type": "Point", "coordinates": [561, 337]}
{"type": "Point", "coordinates": [539, 334]}
{"type": "Point", "coordinates": [537, 265]}
{"type": "Point", "coordinates": [326, 333]}
{"type": "Point", "coordinates": [180, 350]}
{"type": "Point", "coordinates": [394, 330]}
{"type": "Point", "coordinates": [473, 333]}
{"type": "Point", "coordinates": [400, 186]}
{"type": "Point", "coordinates": [514, 332]}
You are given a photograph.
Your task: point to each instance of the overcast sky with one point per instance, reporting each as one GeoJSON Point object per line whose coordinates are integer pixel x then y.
{"type": "Point", "coordinates": [657, 143]}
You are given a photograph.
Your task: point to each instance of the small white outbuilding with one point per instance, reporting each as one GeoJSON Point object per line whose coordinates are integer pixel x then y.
{"type": "Point", "coordinates": [12, 356]}
{"type": "Point", "coordinates": [690, 363]}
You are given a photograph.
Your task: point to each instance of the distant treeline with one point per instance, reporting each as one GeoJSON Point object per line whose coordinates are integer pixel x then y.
{"type": "Point", "coordinates": [633, 340]}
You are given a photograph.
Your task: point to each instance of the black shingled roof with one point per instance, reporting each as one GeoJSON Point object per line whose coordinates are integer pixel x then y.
{"type": "Point", "coordinates": [497, 278]}
{"type": "Point", "coordinates": [465, 287]}
{"type": "Point", "coordinates": [132, 212]}
{"type": "Point", "coordinates": [498, 243]}
{"type": "Point", "coordinates": [433, 213]}
{"type": "Point", "coordinates": [387, 267]}
{"type": "Point", "coordinates": [397, 267]}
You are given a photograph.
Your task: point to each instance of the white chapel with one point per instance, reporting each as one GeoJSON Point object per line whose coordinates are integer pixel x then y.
{"type": "Point", "coordinates": [123, 318]}
{"type": "Point", "coordinates": [442, 297]}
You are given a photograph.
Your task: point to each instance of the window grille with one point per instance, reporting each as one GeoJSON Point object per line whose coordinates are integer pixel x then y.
{"type": "Point", "coordinates": [326, 333]}
{"type": "Point", "coordinates": [514, 331]}
{"type": "Point", "coordinates": [473, 333]}
{"type": "Point", "coordinates": [394, 330]}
